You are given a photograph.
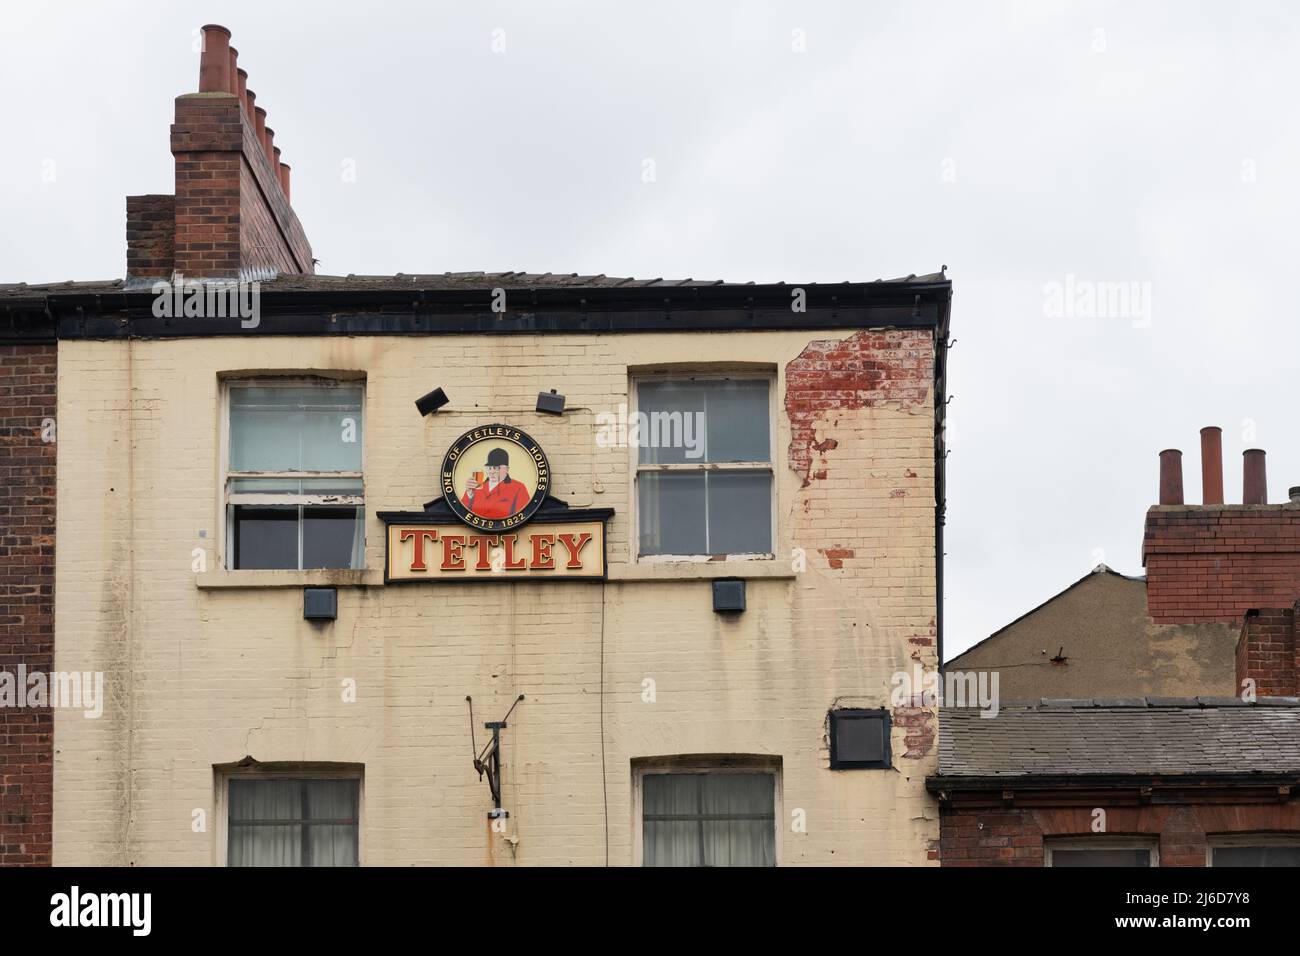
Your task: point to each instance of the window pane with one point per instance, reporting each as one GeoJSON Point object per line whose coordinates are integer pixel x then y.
{"type": "Point", "coordinates": [671, 506]}
{"type": "Point", "coordinates": [1269, 855]}
{"type": "Point", "coordinates": [295, 428]}
{"type": "Point", "coordinates": [1102, 856]}
{"type": "Point", "coordinates": [264, 846]}
{"type": "Point", "coordinates": [331, 537]}
{"type": "Point", "coordinates": [264, 800]}
{"type": "Point", "coordinates": [740, 842]}
{"type": "Point", "coordinates": [740, 512]}
{"type": "Point", "coordinates": [672, 422]}
{"type": "Point", "coordinates": [266, 538]}
{"type": "Point", "coordinates": [736, 421]}
{"type": "Point", "coordinates": [703, 421]}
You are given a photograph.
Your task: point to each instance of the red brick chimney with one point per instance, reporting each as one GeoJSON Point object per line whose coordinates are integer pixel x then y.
{"type": "Point", "coordinates": [1268, 652]}
{"type": "Point", "coordinates": [1214, 561]}
{"type": "Point", "coordinates": [230, 216]}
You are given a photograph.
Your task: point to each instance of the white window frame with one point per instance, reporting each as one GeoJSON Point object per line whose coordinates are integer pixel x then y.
{"type": "Point", "coordinates": [637, 468]}
{"type": "Point", "coordinates": [1227, 840]}
{"type": "Point", "coordinates": [1150, 844]}
{"type": "Point", "coordinates": [722, 764]}
{"type": "Point", "coordinates": [226, 529]}
{"type": "Point", "coordinates": [222, 808]}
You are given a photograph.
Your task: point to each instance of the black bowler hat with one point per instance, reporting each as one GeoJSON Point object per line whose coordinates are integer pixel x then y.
{"type": "Point", "coordinates": [497, 456]}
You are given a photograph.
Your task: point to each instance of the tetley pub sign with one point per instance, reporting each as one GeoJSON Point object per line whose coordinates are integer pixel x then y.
{"type": "Point", "coordinates": [495, 519]}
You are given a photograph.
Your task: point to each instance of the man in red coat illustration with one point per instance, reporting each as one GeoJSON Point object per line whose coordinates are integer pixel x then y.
{"type": "Point", "coordinates": [499, 496]}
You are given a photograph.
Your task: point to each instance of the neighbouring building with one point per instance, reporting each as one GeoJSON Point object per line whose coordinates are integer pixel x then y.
{"type": "Point", "coordinates": [1173, 632]}
{"type": "Point", "coordinates": [1142, 782]}
{"type": "Point", "coordinates": [487, 568]}
{"type": "Point", "coordinates": [1096, 639]}
{"type": "Point", "coordinates": [1208, 775]}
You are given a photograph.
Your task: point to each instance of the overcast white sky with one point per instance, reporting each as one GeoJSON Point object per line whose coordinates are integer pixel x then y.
{"type": "Point", "coordinates": [1019, 143]}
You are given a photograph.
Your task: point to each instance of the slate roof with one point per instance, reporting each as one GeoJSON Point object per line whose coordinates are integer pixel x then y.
{"type": "Point", "coordinates": [440, 281]}
{"type": "Point", "coordinates": [1143, 736]}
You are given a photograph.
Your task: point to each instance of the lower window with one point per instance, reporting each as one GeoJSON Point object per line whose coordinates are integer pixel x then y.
{"type": "Point", "coordinates": [284, 821]}
{"type": "Point", "coordinates": [708, 818]}
{"type": "Point", "coordinates": [1100, 853]}
{"type": "Point", "coordinates": [1256, 851]}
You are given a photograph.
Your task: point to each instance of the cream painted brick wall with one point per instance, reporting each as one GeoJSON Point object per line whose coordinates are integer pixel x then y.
{"type": "Point", "coordinates": [197, 677]}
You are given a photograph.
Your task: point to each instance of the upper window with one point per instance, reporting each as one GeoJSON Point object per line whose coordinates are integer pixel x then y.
{"type": "Point", "coordinates": [293, 822]}
{"type": "Point", "coordinates": [704, 466]}
{"type": "Point", "coordinates": [294, 489]}
{"type": "Point", "coordinates": [708, 819]}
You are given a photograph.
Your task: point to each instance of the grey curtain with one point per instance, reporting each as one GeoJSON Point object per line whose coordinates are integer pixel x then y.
{"type": "Point", "coordinates": [293, 823]}
{"type": "Point", "coordinates": [703, 819]}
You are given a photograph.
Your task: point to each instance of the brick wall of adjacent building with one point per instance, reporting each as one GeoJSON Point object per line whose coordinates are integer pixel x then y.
{"type": "Point", "coordinates": [150, 235]}
{"type": "Point", "coordinates": [1017, 836]}
{"type": "Point", "coordinates": [27, 493]}
{"type": "Point", "coordinates": [1209, 563]}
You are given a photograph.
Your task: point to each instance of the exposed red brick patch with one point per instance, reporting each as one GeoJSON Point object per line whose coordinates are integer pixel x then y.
{"type": "Point", "coordinates": [28, 375]}
{"type": "Point", "coordinates": [835, 556]}
{"type": "Point", "coordinates": [869, 368]}
{"type": "Point", "coordinates": [920, 725]}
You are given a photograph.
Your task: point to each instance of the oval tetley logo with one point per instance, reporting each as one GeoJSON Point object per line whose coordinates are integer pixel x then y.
{"type": "Point", "coordinates": [495, 477]}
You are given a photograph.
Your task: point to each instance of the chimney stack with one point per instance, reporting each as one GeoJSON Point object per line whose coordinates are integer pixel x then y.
{"type": "Point", "coordinates": [1212, 465]}
{"type": "Point", "coordinates": [214, 64]}
{"type": "Point", "coordinates": [1171, 477]}
{"type": "Point", "coordinates": [230, 216]}
{"type": "Point", "coordinates": [1254, 484]}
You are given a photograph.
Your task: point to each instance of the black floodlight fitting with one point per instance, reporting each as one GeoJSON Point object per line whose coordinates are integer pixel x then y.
{"type": "Point", "coordinates": [428, 404]}
{"type": "Point", "coordinates": [550, 403]}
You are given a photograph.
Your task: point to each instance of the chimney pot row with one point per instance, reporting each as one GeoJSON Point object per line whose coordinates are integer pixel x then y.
{"type": "Point", "coordinates": [219, 72]}
{"type": "Point", "coordinates": [1254, 481]}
